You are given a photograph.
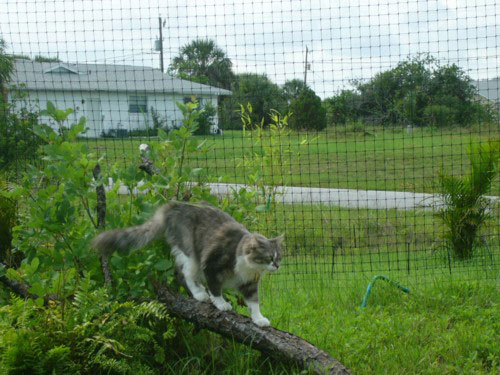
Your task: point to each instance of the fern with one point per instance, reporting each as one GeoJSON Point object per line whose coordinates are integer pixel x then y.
{"type": "Point", "coordinates": [95, 336]}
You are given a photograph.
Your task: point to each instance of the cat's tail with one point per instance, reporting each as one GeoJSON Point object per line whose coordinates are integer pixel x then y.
{"type": "Point", "coordinates": [124, 240]}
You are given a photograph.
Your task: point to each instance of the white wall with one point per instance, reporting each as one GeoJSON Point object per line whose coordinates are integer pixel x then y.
{"type": "Point", "coordinates": [106, 111]}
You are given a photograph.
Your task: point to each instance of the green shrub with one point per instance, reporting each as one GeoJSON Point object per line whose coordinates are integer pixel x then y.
{"type": "Point", "coordinates": [439, 115]}
{"type": "Point", "coordinates": [18, 143]}
{"type": "Point", "coordinates": [465, 208]}
{"type": "Point", "coordinates": [8, 218]}
{"type": "Point", "coordinates": [90, 335]}
{"type": "Point", "coordinates": [343, 108]}
{"type": "Point", "coordinates": [256, 89]}
{"type": "Point", "coordinates": [307, 112]}
{"type": "Point", "coordinates": [206, 119]}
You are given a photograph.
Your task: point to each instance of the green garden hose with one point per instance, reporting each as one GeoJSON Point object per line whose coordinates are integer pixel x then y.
{"type": "Point", "coordinates": [369, 289]}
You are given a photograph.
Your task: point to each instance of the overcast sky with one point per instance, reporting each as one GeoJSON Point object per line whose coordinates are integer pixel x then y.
{"type": "Point", "coordinates": [346, 39]}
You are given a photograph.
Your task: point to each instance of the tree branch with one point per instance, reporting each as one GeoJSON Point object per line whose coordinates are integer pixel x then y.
{"type": "Point", "coordinates": [18, 288]}
{"type": "Point", "coordinates": [101, 199]}
{"type": "Point", "coordinates": [277, 344]}
{"type": "Point", "coordinates": [101, 221]}
{"type": "Point", "coordinates": [21, 289]}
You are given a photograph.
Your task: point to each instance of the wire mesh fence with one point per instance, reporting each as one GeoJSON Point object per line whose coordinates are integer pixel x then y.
{"type": "Point", "coordinates": [339, 118]}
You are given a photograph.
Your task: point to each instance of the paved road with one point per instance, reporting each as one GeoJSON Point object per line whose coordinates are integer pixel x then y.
{"type": "Point", "coordinates": [347, 198]}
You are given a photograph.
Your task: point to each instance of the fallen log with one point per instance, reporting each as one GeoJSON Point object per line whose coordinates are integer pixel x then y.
{"type": "Point", "coordinates": [276, 344]}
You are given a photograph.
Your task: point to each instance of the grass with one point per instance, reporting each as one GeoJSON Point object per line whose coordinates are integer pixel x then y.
{"type": "Point", "coordinates": [369, 158]}
{"type": "Point", "coordinates": [441, 327]}
{"type": "Point", "coordinates": [448, 324]}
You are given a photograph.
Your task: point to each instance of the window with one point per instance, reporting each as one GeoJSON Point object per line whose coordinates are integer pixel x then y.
{"type": "Point", "coordinates": [138, 104]}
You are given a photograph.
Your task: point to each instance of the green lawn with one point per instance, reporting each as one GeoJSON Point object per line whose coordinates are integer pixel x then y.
{"type": "Point", "coordinates": [448, 324]}
{"type": "Point", "coordinates": [444, 326]}
{"type": "Point", "coordinates": [439, 328]}
{"type": "Point", "coordinates": [373, 158]}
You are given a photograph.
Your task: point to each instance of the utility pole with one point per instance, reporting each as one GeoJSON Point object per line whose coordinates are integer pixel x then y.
{"type": "Point", "coordinates": [161, 45]}
{"type": "Point", "coordinates": [306, 68]}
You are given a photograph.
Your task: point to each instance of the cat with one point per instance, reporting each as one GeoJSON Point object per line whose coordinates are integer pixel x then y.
{"type": "Point", "coordinates": [210, 248]}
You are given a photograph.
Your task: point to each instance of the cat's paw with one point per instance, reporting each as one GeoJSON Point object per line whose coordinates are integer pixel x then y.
{"type": "Point", "coordinates": [262, 322]}
{"type": "Point", "coordinates": [221, 304]}
{"type": "Point", "coordinates": [201, 296]}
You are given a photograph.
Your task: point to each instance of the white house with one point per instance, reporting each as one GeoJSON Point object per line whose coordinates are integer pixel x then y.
{"type": "Point", "coordinates": [111, 97]}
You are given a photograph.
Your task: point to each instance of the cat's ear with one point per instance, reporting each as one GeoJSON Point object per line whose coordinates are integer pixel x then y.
{"type": "Point", "coordinates": [279, 240]}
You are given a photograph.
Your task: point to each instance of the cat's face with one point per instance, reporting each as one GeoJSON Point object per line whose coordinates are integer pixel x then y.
{"type": "Point", "coordinates": [264, 254]}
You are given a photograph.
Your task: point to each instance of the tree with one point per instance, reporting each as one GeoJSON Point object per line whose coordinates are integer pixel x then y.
{"type": "Point", "coordinates": [292, 89]}
{"type": "Point", "coordinates": [452, 90]}
{"type": "Point", "coordinates": [343, 108]}
{"type": "Point", "coordinates": [307, 112]}
{"type": "Point", "coordinates": [203, 62]}
{"type": "Point", "coordinates": [40, 58]}
{"type": "Point", "coordinates": [6, 67]}
{"type": "Point", "coordinates": [397, 95]}
{"type": "Point", "coordinates": [418, 91]}
{"type": "Point", "coordinates": [258, 90]}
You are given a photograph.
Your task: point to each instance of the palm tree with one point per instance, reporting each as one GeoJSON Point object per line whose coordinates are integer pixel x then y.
{"type": "Point", "coordinates": [202, 61]}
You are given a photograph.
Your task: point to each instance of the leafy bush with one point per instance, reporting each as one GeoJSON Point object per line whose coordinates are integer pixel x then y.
{"type": "Point", "coordinates": [206, 119]}
{"type": "Point", "coordinates": [418, 91]}
{"type": "Point", "coordinates": [90, 335]}
{"type": "Point", "coordinates": [439, 115]}
{"type": "Point", "coordinates": [465, 207]}
{"type": "Point", "coordinates": [18, 143]}
{"type": "Point", "coordinates": [343, 108]}
{"type": "Point", "coordinates": [8, 219]}
{"type": "Point", "coordinates": [258, 90]}
{"type": "Point", "coordinates": [308, 112]}
{"type": "Point", "coordinates": [159, 121]}
{"type": "Point", "coordinates": [84, 328]}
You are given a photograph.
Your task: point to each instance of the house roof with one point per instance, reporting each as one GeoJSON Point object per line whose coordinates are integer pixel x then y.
{"type": "Point", "coordinates": [489, 88]}
{"type": "Point", "coordinates": [50, 76]}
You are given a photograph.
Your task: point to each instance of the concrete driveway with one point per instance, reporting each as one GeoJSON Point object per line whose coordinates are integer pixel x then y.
{"type": "Point", "coordinates": [347, 198]}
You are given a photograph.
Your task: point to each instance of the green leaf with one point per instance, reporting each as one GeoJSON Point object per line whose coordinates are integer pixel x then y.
{"type": "Point", "coordinates": [45, 132]}
{"type": "Point", "coordinates": [39, 302]}
{"type": "Point", "coordinates": [51, 108]}
{"type": "Point", "coordinates": [162, 134]}
{"type": "Point", "coordinates": [36, 289]}
{"type": "Point", "coordinates": [77, 128]}
{"type": "Point", "coordinates": [14, 275]}
{"type": "Point", "coordinates": [34, 264]}
{"type": "Point", "coordinates": [163, 265]}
